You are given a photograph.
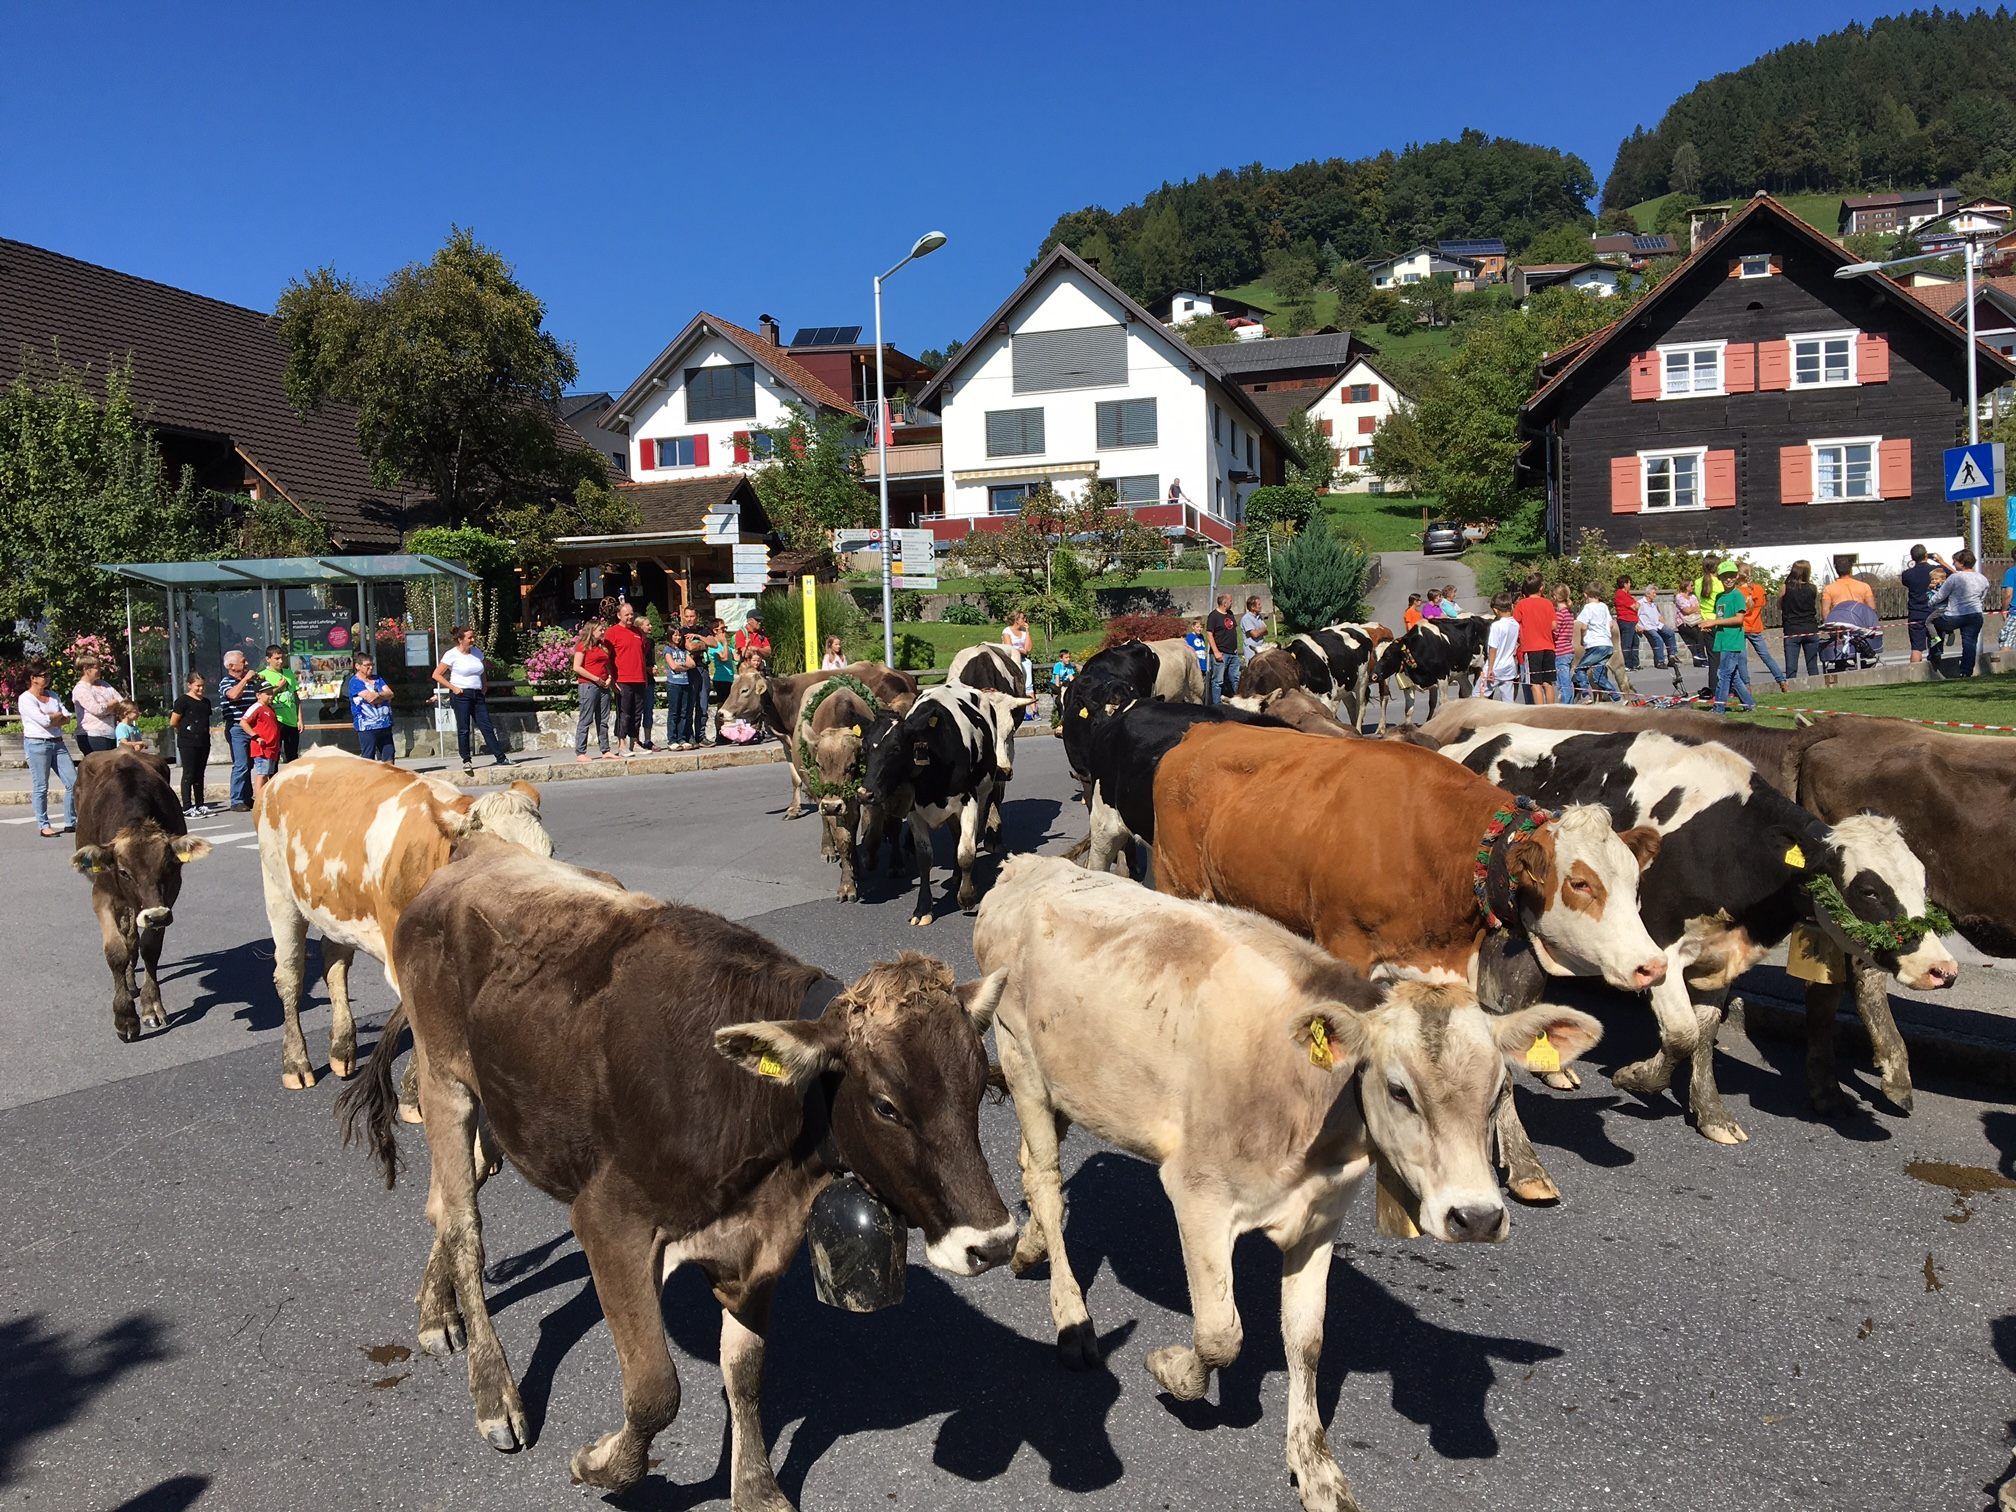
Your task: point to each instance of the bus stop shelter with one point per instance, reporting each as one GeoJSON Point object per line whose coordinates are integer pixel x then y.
{"type": "Point", "coordinates": [321, 609]}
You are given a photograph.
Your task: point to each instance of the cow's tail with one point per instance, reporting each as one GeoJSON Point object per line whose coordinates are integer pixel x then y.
{"type": "Point", "coordinates": [373, 1100]}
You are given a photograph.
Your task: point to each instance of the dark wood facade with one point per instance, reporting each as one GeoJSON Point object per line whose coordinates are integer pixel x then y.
{"type": "Point", "coordinates": [1585, 416]}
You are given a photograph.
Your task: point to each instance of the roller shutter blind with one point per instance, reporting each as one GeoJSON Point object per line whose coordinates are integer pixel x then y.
{"type": "Point", "coordinates": [1126, 422]}
{"type": "Point", "coordinates": [1014, 433]}
{"type": "Point", "coordinates": [722, 392]}
{"type": "Point", "coordinates": [1083, 357]}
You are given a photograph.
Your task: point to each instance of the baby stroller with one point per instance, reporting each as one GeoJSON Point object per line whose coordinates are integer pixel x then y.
{"type": "Point", "coordinates": [1850, 638]}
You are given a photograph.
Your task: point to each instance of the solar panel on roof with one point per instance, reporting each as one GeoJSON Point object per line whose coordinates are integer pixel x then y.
{"type": "Point", "coordinates": [826, 336]}
{"type": "Point", "coordinates": [1648, 243]}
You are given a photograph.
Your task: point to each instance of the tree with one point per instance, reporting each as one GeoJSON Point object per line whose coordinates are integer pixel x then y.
{"type": "Point", "coordinates": [1160, 254]}
{"type": "Point", "coordinates": [1104, 540]}
{"type": "Point", "coordinates": [1685, 175]}
{"type": "Point", "coordinates": [812, 483]}
{"type": "Point", "coordinates": [1318, 467]}
{"type": "Point", "coordinates": [1206, 331]}
{"type": "Point", "coordinates": [1432, 301]}
{"type": "Point", "coordinates": [1617, 219]}
{"type": "Point", "coordinates": [452, 374]}
{"type": "Point", "coordinates": [1353, 282]}
{"type": "Point", "coordinates": [936, 357]}
{"type": "Point", "coordinates": [1292, 504]}
{"type": "Point", "coordinates": [1561, 244]}
{"type": "Point", "coordinates": [1292, 277]}
{"type": "Point", "coordinates": [1318, 580]}
{"type": "Point", "coordinates": [1298, 316]}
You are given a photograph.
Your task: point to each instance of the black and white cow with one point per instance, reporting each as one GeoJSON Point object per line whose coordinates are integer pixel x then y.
{"type": "Point", "coordinates": [1333, 664]}
{"type": "Point", "coordinates": [1733, 876]}
{"type": "Point", "coordinates": [1109, 681]}
{"type": "Point", "coordinates": [942, 761]}
{"type": "Point", "coordinates": [1125, 754]}
{"type": "Point", "coordinates": [994, 667]}
{"type": "Point", "coordinates": [1428, 656]}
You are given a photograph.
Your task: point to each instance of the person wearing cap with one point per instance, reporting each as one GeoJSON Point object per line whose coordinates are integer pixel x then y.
{"type": "Point", "coordinates": [750, 640]}
{"type": "Point", "coordinates": [1732, 662]}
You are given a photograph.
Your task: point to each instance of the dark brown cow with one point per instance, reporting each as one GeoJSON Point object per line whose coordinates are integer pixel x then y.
{"type": "Point", "coordinates": [759, 695]}
{"type": "Point", "coordinates": [579, 1018]}
{"type": "Point", "coordinates": [132, 843]}
{"type": "Point", "coordinates": [828, 754]}
{"type": "Point", "coordinates": [1296, 708]}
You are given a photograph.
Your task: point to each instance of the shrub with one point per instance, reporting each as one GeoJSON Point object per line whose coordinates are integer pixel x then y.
{"type": "Point", "coordinates": [1318, 580]}
{"type": "Point", "coordinates": [963, 613]}
{"type": "Point", "coordinates": [914, 653]}
{"type": "Point", "coordinates": [1143, 627]}
{"type": "Point", "coordinates": [1280, 503]}
{"type": "Point", "coordinates": [549, 667]}
{"type": "Point", "coordinates": [783, 614]}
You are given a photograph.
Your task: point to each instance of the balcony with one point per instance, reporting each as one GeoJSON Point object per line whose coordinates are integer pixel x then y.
{"type": "Point", "coordinates": [921, 461]}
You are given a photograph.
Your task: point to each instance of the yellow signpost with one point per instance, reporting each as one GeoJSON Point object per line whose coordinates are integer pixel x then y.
{"type": "Point", "coordinates": [811, 623]}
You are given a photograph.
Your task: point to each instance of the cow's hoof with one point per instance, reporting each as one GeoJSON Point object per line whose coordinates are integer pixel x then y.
{"type": "Point", "coordinates": [1723, 1130]}
{"type": "Point", "coordinates": [794, 813]}
{"type": "Point", "coordinates": [343, 1070]}
{"type": "Point", "coordinates": [1829, 1102]}
{"type": "Point", "coordinates": [1900, 1097]}
{"type": "Point", "coordinates": [1179, 1372]}
{"type": "Point", "coordinates": [127, 1032]}
{"type": "Point", "coordinates": [1078, 1347]}
{"type": "Point", "coordinates": [599, 1465]}
{"type": "Point", "coordinates": [1642, 1077]}
{"type": "Point", "coordinates": [410, 1113]}
{"type": "Point", "coordinates": [1031, 1250]}
{"type": "Point", "coordinates": [443, 1339]}
{"type": "Point", "coordinates": [507, 1434]}
{"type": "Point", "coordinates": [1535, 1191]}
{"type": "Point", "coordinates": [920, 921]}
{"type": "Point", "coordinates": [153, 1018]}
{"type": "Point", "coordinates": [1564, 1080]}
{"type": "Point", "coordinates": [297, 1081]}
{"type": "Point", "coordinates": [1322, 1486]}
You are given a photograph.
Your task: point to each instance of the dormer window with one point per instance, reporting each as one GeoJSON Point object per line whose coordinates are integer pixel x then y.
{"type": "Point", "coordinates": [1756, 265]}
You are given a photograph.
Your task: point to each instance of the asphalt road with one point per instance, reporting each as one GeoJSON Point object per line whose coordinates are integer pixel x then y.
{"type": "Point", "coordinates": [207, 1301]}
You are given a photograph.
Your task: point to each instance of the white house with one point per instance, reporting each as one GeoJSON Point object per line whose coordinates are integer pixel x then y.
{"type": "Point", "coordinates": [1186, 305]}
{"type": "Point", "coordinates": [1418, 265]}
{"type": "Point", "coordinates": [699, 406]}
{"type": "Point", "coordinates": [1071, 380]}
{"type": "Point", "coordinates": [1600, 280]}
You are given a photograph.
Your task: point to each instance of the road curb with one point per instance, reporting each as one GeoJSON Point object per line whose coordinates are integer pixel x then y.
{"type": "Point", "coordinates": [1968, 1043]}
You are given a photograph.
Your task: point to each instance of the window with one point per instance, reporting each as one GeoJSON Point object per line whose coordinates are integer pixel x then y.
{"type": "Point", "coordinates": [1250, 463]}
{"type": "Point", "coordinates": [1410, 278]}
{"type": "Point", "coordinates": [679, 451]}
{"type": "Point", "coordinates": [1688, 370]}
{"type": "Point", "coordinates": [1006, 498]}
{"type": "Point", "coordinates": [1217, 424]}
{"type": "Point", "coordinates": [1823, 360]}
{"type": "Point", "coordinates": [726, 391]}
{"type": "Point", "coordinates": [1845, 470]}
{"type": "Point", "coordinates": [1125, 422]}
{"type": "Point", "coordinates": [1672, 480]}
{"type": "Point", "coordinates": [1364, 393]}
{"type": "Point", "coordinates": [1142, 490]}
{"type": "Point", "coordinates": [1087, 357]}
{"type": "Point", "coordinates": [1014, 433]}
{"type": "Point", "coordinates": [761, 445]}
{"type": "Point", "coordinates": [1757, 265]}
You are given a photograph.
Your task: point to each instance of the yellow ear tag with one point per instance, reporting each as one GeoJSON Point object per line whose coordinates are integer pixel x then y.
{"type": "Point", "coordinates": [1795, 858]}
{"type": "Point", "coordinates": [1320, 1054]}
{"type": "Point", "coordinates": [1541, 1056]}
{"type": "Point", "coordinates": [857, 729]}
{"type": "Point", "coordinates": [1084, 713]}
{"type": "Point", "coordinates": [770, 1066]}
{"type": "Point", "coordinates": [933, 721]}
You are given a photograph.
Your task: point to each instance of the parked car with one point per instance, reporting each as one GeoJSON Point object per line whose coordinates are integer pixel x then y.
{"type": "Point", "coordinates": [1441, 535]}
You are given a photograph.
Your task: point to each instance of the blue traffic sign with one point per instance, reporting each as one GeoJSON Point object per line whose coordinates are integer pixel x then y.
{"type": "Point", "coordinates": [1974, 472]}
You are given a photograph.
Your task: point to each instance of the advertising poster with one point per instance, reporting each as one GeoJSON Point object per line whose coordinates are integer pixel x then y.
{"type": "Point", "coordinates": [320, 643]}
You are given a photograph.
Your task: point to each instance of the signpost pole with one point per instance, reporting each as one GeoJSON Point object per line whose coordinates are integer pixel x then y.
{"type": "Point", "coordinates": [807, 587]}
{"type": "Point", "coordinates": [1973, 400]}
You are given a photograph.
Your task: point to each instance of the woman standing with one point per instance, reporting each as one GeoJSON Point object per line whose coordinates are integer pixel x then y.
{"type": "Point", "coordinates": [594, 675]}
{"type": "Point", "coordinates": [42, 719]}
{"type": "Point", "coordinates": [461, 675]}
{"type": "Point", "coordinates": [721, 664]}
{"type": "Point", "coordinates": [93, 699]}
{"type": "Point", "coordinates": [190, 719]}
{"type": "Point", "coordinates": [1015, 636]}
{"type": "Point", "coordinates": [1958, 603]}
{"type": "Point", "coordinates": [1799, 618]}
{"type": "Point", "coordinates": [370, 699]}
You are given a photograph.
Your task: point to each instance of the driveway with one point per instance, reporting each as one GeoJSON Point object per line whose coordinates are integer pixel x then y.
{"type": "Point", "coordinates": [1405, 572]}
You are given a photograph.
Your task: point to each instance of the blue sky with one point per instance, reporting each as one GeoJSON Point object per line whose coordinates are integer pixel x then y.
{"type": "Point", "coordinates": [638, 163]}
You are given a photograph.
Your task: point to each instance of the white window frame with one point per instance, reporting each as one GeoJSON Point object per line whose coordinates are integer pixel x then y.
{"type": "Point", "coordinates": [1875, 445]}
{"type": "Point", "coordinates": [1792, 358]}
{"type": "Point", "coordinates": [1743, 265]}
{"type": "Point", "coordinates": [1689, 349]}
{"type": "Point", "coordinates": [1645, 461]}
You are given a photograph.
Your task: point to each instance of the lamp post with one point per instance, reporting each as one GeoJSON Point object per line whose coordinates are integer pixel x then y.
{"type": "Point", "coordinates": [926, 244]}
{"type": "Point", "coordinates": [1856, 270]}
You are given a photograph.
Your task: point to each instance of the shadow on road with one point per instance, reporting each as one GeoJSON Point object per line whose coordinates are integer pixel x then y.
{"type": "Point", "coordinates": [172, 1495]}
{"type": "Point", "coordinates": [47, 1377]}
{"type": "Point", "coordinates": [241, 977]}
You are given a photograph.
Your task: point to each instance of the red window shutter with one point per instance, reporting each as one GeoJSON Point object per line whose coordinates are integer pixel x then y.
{"type": "Point", "coordinates": [647, 455]}
{"type": "Point", "coordinates": [1774, 366]}
{"type": "Point", "coordinates": [1337, 455]}
{"type": "Point", "coordinates": [1795, 475]}
{"type": "Point", "coordinates": [1777, 265]}
{"type": "Point", "coordinates": [1872, 358]}
{"type": "Point", "coordinates": [1325, 427]}
{"type": "Point", "coordinates": [700, 450]}
{"type": "Point", "coordinates": [1367, 424]}
{"type": "Point", "coordinates": [1735, 267]}
{"type": "Point", "coordinates": [1718, 484]}
{"type": "Point", "coordinates": [1893, 469]}
{"type": "Point", "coordinates": [741, 446]}
{"type": "Point", "coordinates": [1624, 497]}
{"type": "Point", "coordinates": [1739, 368]}
{"type": "Point", "coordinates": [1644, 375]}
{"type": "Point", "coordinates": [1371, 392]}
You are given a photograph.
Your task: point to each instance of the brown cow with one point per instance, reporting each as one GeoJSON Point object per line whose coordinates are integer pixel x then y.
{"type": "Point", "coordinates": [578, 1018]}
{"type": "Point", "coordinates": [132, 842]}
{"type": "Point", "coordinates": [345, 844]}
{"type": "Point", "coordinates": [828, 755]}
{"type": "Point", "coordinates": [761, 696]}
{"type": "Point", "coordinates": [1296, 708]}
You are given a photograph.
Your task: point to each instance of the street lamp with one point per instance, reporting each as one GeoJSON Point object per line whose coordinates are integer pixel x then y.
{"type": "Point", "coordinates": [1857, 270]}
{"type": "Point", "coordinates": [926, 244]}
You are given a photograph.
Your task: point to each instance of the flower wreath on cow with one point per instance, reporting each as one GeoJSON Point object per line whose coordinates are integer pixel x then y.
{"type": "Point", "coordinates": [816, 787]}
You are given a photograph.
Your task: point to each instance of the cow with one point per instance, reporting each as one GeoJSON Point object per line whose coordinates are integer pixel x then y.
{"type": "Point", "coordinates": [1936, 785]}
{"type": "Point", "coordinates": [1737, 865]}
{"type": "Point", "coordinates": [1178, 676]}
{"type": "Point", "coordinates": [1333, 664]}
{"type": "Point", "coordinates": [1429, 655]}
{"type": "Point", "coordinates": [760, 696]}
{"type": "Point", "coordinates": [1371, 848]}
{"type": "Point", "coordinates": [994, 667]}
{"type": "Point", "coordinates": [577, 1019]}
{"type": "Point", "coordinates": [345, 845]}
{"type": "Point", "coordinates": [132, 842]}
{"type": "Point", "coordinates": [1263, 1078]}
{"type": "Point", "coordinates": [1124, 757]}
{"type": "Point", "coordinates": [829, 753]}
{"type": "Point", "coordinates": [1296, 708]}
{"type": "Point", "coordinates": [938, 762]}
{"type": "Point", "coordinates": [1109, 681]}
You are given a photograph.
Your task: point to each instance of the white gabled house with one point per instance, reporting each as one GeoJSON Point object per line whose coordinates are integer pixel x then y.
{"type": "Point", "coordinates": [1347, 414]}
{"type": "Point", "coordinates": [1071, 380]}
{"type": "Point", "coordinates": [1418, 265]}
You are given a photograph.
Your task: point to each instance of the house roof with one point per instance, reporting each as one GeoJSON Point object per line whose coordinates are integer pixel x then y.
{"type": "Point", "coordinates": [1761, 205]}
{"type": "Point", "coordinates": [1895, 197]}
{"type": "Point", "coordinates": [680, 507]}
{"type": "Point", "coordinates": [1281, 404]}
{"type": "Point", "coordinates": [200, 365]}
{"type": "Point", "coordinates": [1637, 243]}
{"type": "Point", "coordinates": [1483, 246]}
{"type": "Point", "coordinates": [1206, 359]}
{"type": "Point", "coordinates": [1337, 350]}
{"type": "Point", "coordinates": [573, 405]}
{"type": "Point", "coordinates": [1430, 249]}
{"type": "Point", "coordinates": [1950, 299]}
{"type": "Point", "coordinates": [780, 363]}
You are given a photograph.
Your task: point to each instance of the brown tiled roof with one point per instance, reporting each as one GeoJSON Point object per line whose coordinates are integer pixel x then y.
{"type": "Point", "coordinates": [202, 365]}
{"type": "Point", "coordinates": [1949, 299]}
{"type": "Point", "coordinates": [682, 504]}
{"type": "Point", "coordinates": [758, 349]}
{"type": "Point", "coordinates": [1281, 405]}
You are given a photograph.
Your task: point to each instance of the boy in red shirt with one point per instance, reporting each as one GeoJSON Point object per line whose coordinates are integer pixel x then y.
{"type": "Point", "coordinates": [262, 728]}
{"type": "Point", "coordinates": [1534, 614]}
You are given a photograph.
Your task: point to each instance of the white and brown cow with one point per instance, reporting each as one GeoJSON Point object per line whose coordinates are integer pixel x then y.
{"type": "Point", "coordinates": [345, 845]}
{"type": "Point", "coordinates": [773, 700]}
{"type": "Point", "coordinates": [1263, 1077]}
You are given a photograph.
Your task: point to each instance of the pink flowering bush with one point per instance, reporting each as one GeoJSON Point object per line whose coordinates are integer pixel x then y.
{"type": "Point", "coordinates": [550, 666]}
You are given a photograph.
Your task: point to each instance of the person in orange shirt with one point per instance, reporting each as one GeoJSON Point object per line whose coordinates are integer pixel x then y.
{"type": "Point", "coordinates": [1753, 619]}
{"type": "Point", "coordinates": [1413, 615]}
{"type": "Point", "coordinates": [1535, 616]}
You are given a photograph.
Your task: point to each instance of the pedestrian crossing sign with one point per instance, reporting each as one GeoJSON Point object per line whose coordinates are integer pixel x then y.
{"type": "Point", "coordinates": [1974, 472]}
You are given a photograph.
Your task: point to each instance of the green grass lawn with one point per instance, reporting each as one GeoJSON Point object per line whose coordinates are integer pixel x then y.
{"type": "Point", "coordinates": [1178, 578]}
{"type": "Point", "coordinates": [1384, 522]}
{"type": "Point", "coordinates": [1821, 211]}
{"type": "Point", "coordinates": [1974, 700]}
{"type": "Point", "coordinates": [1422, 340]}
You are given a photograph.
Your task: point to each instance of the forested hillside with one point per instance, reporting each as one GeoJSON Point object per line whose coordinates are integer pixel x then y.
{"type": "Point", "coordinates": [1924, 98]}
{"type": "Point", "coordinates": [1215, 232]}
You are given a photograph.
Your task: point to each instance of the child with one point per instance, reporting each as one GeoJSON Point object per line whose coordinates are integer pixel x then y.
{"type": "Point", "coordinates": [1433, 608]}
{"type": "Point", "coordinates": [126, 726]}
{"type": "Point", "coordinates": [190, 720]}
{"type": "Point", "coordinates": [835, 659]}
{"type": "Point", "coordinates": [286, 703]}
{"type": "Point", "coordinates": [262, 730]}
{"type": "Point", "coordinates": [1194, 639]}
{"type": "Point", "coordinates": [1501, 658]}
{"type": "Point", "coordinates": [1062, 671]}
{"type": "Point", "coordinates": [1413, 615]}
{"type": "Point", "coordinates": [1564, 645]}
{"type": "Point", "coordinates": [1450, 608]}
{"type": "Point", "coordinates": [370, 709]}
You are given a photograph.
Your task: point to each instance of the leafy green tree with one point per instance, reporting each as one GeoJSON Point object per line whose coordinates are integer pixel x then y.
{"type": "Point", "coordinates": [936, 357]}
{"type": "Point", "coordinates": [1160, 253]}
{"type": "Point", "coordinates": [1104, 539]}
{"type": "Point", "coordinates": [1292, 277]}
{"type": "Point", "coordinates": [1402, 317]}
{"type": "Point", "coordinates": [1291, 503]}
{"type": "Point", "coordinates": [1561, 244]}
{"type": "Point", "coordinates": [1318, 580]}
{"type": "Point", "coordinates": [451, 372]}
{"type": "Point", "coordinates": [1298, 317]}
{"type": "Point", "coordinates": [493, 558]}
{"type": "Point", "coordinates": [274, 528]}
{"type": "Point", "coordinates": [1685, 175]}
{"type": "Point", "coordinates": [812, 483]}
{"type": "Point", "coordinates": [1318, 467]}
{"type": "Point", "coordinates": [1379, 307]}
{"type": "Point", "coordinates": [1207, 331]}
{"type": "Point", "coordinates": [1616, 219]}
{"type": "Point", "coordinates": [1432, 301]}
{"type": "Point", "coordinates": [1353, 282]}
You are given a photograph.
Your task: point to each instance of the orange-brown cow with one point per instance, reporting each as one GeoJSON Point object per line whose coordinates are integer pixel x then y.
{"type": "Point", "coordinates": [346, 844]}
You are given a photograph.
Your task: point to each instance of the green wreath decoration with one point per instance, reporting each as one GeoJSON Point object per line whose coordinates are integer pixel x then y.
{"type": "Point", "coordinates": [808, 769]}
{"type": "Point", "coordinates": [1890, 934]}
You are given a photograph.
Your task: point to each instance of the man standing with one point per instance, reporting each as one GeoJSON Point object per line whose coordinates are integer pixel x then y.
{"type": "Point", "coordinates": [236, 694]}
{"type": "Point", "coordinates": [1753, 622]}
{"type": "Point", "coordinates": [626, 650]}
{"type": "Point", "coordinates": [1732, 661]}
{"type": "Point", "coordinates": [286, 702]}
{"type": "Point", "coordinates": [698, 680]}
{"type": "Point", "coordinates": [751, 641]}
{"type": "Point", "coordinates": [1917, 581]}
{"type": "Point", "coordinates": [1253, 628]}
{"type": "Point", "coordinates": [1534, 614]}
{"type": "Point", "coordinates": [1221, 635]}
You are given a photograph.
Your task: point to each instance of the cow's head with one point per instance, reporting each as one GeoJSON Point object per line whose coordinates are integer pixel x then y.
{"type": "Point", "coordinates": [1882, 885]}
{"type": "Point", "coordinates": [1430, 1064]}
{"type": "Point", "coordinates": [1002, 713]}
{"type": "Point", "coordinates": [748, 693]}
{"type": "Point", "coordinates": [836, 760]}
{"type": "Point", "coordinates": [142, 864]}
{"type": "Point", "coordinates": [905, 1043]}
{"type": "Point", "coordinates": [1577, 884]}
{"type": "Point", "coordinates": [512, 815]}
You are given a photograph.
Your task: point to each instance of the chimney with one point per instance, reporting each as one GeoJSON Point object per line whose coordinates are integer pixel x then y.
{"type": "Point", "coordinates": [768, 325]}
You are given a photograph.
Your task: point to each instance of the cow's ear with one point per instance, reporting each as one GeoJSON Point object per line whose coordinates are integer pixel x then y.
{"type": "Point", "coordinates": [1329, 1035]}
{"type": "Point", "coordinates": [1545, 1038]}
{"type": "Point", "coordinates": [1643, 842]}
{"type": "Point", "coordinates": [90, 860]}
{"type": "Point", "coordinates": [1529, 863]}
{"type": "Point", "coordinates": [795, 1054]}
{"type": "Point", "coordinates": [189, 848]}
{"type": "Point", "coordinates": [526, 791]}
{"type": "Point", "coordinates": [980, 998]}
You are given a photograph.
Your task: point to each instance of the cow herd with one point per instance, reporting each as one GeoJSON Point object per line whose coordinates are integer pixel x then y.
{"type": "Point", "coordinates": [1345, 947]}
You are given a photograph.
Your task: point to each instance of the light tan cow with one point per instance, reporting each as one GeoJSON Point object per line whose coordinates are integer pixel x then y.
{"type": "Point", "coordinates": [1264, 1077]}
{"type": "Point", "coordinates": [1178, 678]}
{"type": "Point", "coordinates": [345, 845]}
